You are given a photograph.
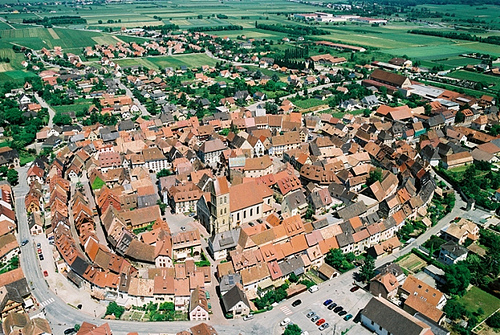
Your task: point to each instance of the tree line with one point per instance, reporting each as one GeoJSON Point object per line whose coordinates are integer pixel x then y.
{"type": "Point", "coordinates": [291, 29]}
{"type": "Point", "coordinates": [216, 28]}
{"type": "Point", "coordinates": [458, 36]}
{"type": "Point", "coordinates": [66, 19]}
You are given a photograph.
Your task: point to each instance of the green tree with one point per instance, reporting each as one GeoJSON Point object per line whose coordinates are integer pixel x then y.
{"type": "Point", "coordinates": [494, 320]}
{"type": "Point", "coordinates": [163, 173]}
{"type": "Point", "coordinates": [367, 271]}
{"type": "Point", "coordinates": [375, 175]}
{"type": "Point", "coordinates": [114, 309]}
{"type": "Point", "coordinates": [457, 278]}
{"type": "Point", "coordinates": [293, 278]}
{"type": "Point", "coordinates": [335, 258]}
{"type": "Point", "coordinates": [12, 177]}
{"type": "Point", "coordinates": [292, 330]}
{"type": "Point", "coordinates": [454, 309]}
{"type": "Point", "coordinates": [460, 117]}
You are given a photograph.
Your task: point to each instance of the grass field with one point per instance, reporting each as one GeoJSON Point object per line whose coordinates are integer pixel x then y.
{"type": "Point", "coordinates": [15, 76]}
{"type": "Point", "coordinates": [476, 298]}
{"type": "Point", "coordinates": [189, 60]}
{"type": "Point", "coordinates": [77, 106]}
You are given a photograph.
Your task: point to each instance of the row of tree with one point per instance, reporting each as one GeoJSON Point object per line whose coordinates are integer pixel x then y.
{"type": "Point", "coordinates": [457, 36]}
{"type": "Point", "coordinates": [57, 20]}
{"type": "Point", "coordinates": [292, 29]}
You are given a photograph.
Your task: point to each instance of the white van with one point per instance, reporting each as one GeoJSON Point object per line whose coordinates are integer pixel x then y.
{"type": "Point", "coordinates": [313, 289]}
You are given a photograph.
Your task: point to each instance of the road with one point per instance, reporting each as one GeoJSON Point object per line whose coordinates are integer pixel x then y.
{"type": "Point", "coordinates": [144, 111]}
{"type": "Point", "coordinates": [457, 211]}
{"type": "Point", "coordinates": [44, 104]}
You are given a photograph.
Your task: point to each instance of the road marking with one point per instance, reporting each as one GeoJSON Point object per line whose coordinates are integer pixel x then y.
{"type": "Point", "coordinates": [47, 302]}
{"type": "Point", "coordinates": [286, 310]}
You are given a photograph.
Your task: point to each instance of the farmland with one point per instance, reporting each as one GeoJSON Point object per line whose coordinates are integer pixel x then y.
{"type": "Point", "coordinates": [195, 60]}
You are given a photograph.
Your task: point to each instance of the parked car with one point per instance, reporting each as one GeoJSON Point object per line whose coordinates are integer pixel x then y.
{"type": "Point", "coordinates": [24, 242]}
{"type": "Point", "coordinates": [327, 302]}
{"type": "Point", "coordinates": [305, 332]}
{"type": "Point", "coordinates": [39, 250]}
{"type": "Point", "coordinates": [324, 326]}
{"type": "Point", "coordinates": [38, 245]}
{"type": "Point", "coordinates": [45, 273]}
{"type": "Point", "coordinates": [320, 322]}
{"type": "Point", "coordinates": [315, 318]}
{"type": "Point", "coordinates": [313, 289]}
{"type": "Point", "coordinates": [310, 314]}
{"type": "Point", "coordinates": [332, 306]}
{"type": "Point", "coordinates": [183, 228]}
{"type": "Point", "coordinates": [41, 257]}
{"type": "Point", "coordinates": [296, 303]}
{"type": "Point", "coordinates": [285, 322]}
{"type": "Point", "coordinates": [342, 313]}
{"type": "Point", "coordinates": [354, 288]}
{"type": "Point", "coordinates": [348, 317]}
{"type": "Point", "coordinates": [248, 317]}
{"type": "Point", "coordinates": [338, 309]}
{"type": "Point", "coordinates": [69, 331]}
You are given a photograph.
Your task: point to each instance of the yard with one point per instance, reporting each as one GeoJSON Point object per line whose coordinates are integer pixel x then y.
{"type": "Point", "coordinates": [412, 263]}
{"type": "Point", "coordinates": [476, 298]}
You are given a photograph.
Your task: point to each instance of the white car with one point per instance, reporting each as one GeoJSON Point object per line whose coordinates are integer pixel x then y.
{"type": "Point", "coordinates": [285, 322]}
{"type": "Point", "coordinates": [248, 317]}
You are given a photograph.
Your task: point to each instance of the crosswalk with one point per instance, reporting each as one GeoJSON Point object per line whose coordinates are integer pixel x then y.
{"type": "Point", "coordinates": [47, 302]}
{"type": "Point", "coordinates": [286, 310]}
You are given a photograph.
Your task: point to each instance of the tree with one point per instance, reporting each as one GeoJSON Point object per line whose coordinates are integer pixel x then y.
{"type": "Point", "coordinates": [454, 309]}
{"type": "Point", "coordinates": [494, 320]}
{"type": "Point", "coordinates": [163, 173]}
{"type": "Point", "coordinates": [460, 117]}
{"type": "Point", "coordinates": [367, 269]}
{"type": "Point", "coordinates": [334, 258]}
{"type": "Point", "coordinates": [293, 278]}
{"type": "Point", "coordinates": [12, 177]}
{"type": "Point", "coordinates": [457, 278]}
{"type": "Point", "coordinates": [292, 330]}
{"type": "Point", "coordinates": [114, 309]}
{"type": "Point", "coordinates": [375, 175]}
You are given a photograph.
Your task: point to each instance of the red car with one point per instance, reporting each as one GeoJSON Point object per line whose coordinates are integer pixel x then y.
{"type": "Point", "coordinates": [355, 288]}
{"type": "Point", "coordinates": [45, 273]}
{"type": "Point", "coordinates": [320, 322]}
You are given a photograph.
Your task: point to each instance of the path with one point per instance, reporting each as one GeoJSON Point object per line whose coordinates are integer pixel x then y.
{"type": "Point", "coordinates": [44, 104]}
{"type": "Point", "coordinates": [7, 23]}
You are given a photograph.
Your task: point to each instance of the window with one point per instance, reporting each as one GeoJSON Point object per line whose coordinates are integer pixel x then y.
{"type": "Point", "coordinates": [225, 210]}
{"type": "Point", "coordinates": [245, 214]}
{"type": "Point", "coordinates": [257, 210]}
{"type": "Point", "coordinates": [238, 217]}
{"type": "Point", "coordinates": [251, 211]}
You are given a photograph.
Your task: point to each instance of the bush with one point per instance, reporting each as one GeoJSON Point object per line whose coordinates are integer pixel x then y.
{"type": "Point", "coordinates": [494, 320]}
{"type": "Point", "coordinates": [114, 309]}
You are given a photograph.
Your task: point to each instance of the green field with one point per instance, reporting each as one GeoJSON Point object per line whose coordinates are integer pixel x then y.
{"type": "Point", "coordinates": [77, 106]}
{"type": "Point", "coordinates": [189, 60]}
{"type": "Point", "coordinates": [477, 77]}
{"type": "Point", "coordinates": [476, 298]}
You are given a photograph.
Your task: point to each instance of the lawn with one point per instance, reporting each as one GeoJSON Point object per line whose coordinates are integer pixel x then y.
{"type": "Point", "coordinates": [476, 298]}
{"type": "Point", "coordinates": [189, 60]}
{"type": "Point", "coordinates": [15, 76]}
{"type": "Point", "coordinates": [77, 106]}
{"type": "Point", "coordinates": [412, 263]}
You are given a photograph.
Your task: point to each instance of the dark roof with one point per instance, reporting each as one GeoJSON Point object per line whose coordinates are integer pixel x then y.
{"type": "Point", "coordinates": [454, 248]}
{"type": "Point", "coordinates": [392, 318]}
{"type": "Point", "coordinates": [351, 211]}
{"type": "Point", "coordinates": [228, 281]}
{"type": "Point", "coordinates": [293, 264]}
{"type": "Point", "coordinates": [234, 296]}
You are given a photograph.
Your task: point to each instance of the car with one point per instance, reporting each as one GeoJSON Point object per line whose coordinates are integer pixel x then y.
{"type": "Point", "coordinates": [327, 302]}
{"type": "Point", "coordinates": [192, 214]}
{"type": "Point", "coordinates": [285, 322]}
{"type": "Point", "coordinates": [313, 288]}
{"type": "Point", "coordinates": [39, 250]}
{"type": "Point", "coordinates": [332, 306]}
{"type": "Point", "coordinates": [342, 313]}
{"type": "Point", "coordinates": [79, 306]}
{"type": "Point", "coordinates": [183, 228]}
{"type": "Point", "coordinates": [305, 332]}
{"type": "Point", "coordinates": [296, 303]}
{"type": "Point", "coordinates": [338, 309]}
{"type": "Point", "coordinates": [324, 326]}
{"type": "Point", "coordinates": [315, 318]}
{"type": "Point", "coordinates": [38, 245]}
{"type": "Point", "coordinates": [248, 317]}
{"type": "Point", "coordinates": [23, 243]}
{"type": "Point", "coordinates": [41, 257]}
{"type": "Point", "coordinates": [354, 288]}
{"type": "Point", "coordinates": [310, 314]}
{"type": "Point", "coordinates": [69, 331]}
{"type": "Point", "coordinates": [45, 273]}
{"type": "Point", "coordinates": [348, 317]}
{"type": "Point", "coordinates": [320, 322]}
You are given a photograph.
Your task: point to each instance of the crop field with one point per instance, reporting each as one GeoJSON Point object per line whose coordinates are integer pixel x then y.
{"type": "Point", "coordinates": [412, 262]}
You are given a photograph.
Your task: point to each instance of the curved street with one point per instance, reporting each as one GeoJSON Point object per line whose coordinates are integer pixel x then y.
{"type": "Point", "coordinates": [62, 316]}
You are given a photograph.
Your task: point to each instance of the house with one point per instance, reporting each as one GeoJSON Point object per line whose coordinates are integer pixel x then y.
{"type": "Point", "coordinates": [415, 287]}
{"type": "Point", "coordinates": [198, 305]}
{"type": "Point", "coordinates": [35, 223]}
{"type": "Point", "coordinates": [384, 285]}
{"type": "Point", "coordinates": [258, 167]}
{"type": "Point", "coordinates": [9, 157]}
{"type": "Point", "coordinates": [235, 302]}
{"type": "Point", "coordinates": [451, 253]}
{"type": "Point", "coordinates": [90, 329]}
{"type": "Point", "coordinates": [210, 151]}
{"type": "Point", "coordinates": [457, 159]}
{"type": "Point", "coordinates": [383, 317]}
{"type": "Point", "coordinates": [460, 231]}
{"type": "Point", "coordinates": [220, 243]}
{"type": "Point", "coordinates": [203, 329]}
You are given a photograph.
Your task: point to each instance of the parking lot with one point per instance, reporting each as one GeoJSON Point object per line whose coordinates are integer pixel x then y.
{"type": "Point", "coordinates": [337, 290]}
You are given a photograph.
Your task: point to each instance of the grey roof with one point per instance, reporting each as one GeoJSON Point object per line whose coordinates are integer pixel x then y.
{"type": "Point", "coordinates": [126, 125]}
{"type": "Point", "coordinates": [147, 200]}
{"type": "Point", "coordinates": [77, 138]}
{"type": "Point", "coordinates": [228, 281]}
{"type": "Point", "coordinates": [454, 249]}
{"type": "Point", "coordinates": [436, 329]}
{"type": "Point", "coordinates": [295, 199]}
{"type": "Point", "coordinates": [232, 297]}
{"type": "Point", "coordinates": [225, 240]}
{"type": "Point", "coordinates": [392, 318]}
{"type": "Point", "coordinates": [107, 137]}
{"type": "Point", "coordinates": [293, 264]}
{"type": "Point", "coordinates": [351, 211]}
